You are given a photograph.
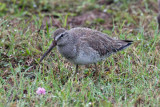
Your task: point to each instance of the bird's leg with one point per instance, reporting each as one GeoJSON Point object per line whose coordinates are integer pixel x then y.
{"type": "Point", "coordinates": [103, 66]}
{"type": "Point", "coordinates": [96, 72]}
{"type": "Point", "coordinates": [77, 73]}
{"type": "Point", "coordinates": [95, 67]}
{"type": "Point", "coordinates": [76, 68]}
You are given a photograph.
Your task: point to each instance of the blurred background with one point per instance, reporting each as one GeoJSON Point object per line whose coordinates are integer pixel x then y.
{"type": "Point", "coordinates": [71, 13]}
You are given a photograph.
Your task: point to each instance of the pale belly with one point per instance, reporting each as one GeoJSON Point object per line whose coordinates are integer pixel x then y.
{"type": "Point", "coordinates": [87, 58]}
{"type": "Point", "coordinates": [85, 55]}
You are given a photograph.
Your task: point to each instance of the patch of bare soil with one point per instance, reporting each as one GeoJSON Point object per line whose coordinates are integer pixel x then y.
{"type": "Point", "coordinates": [50, 21]}
{"type": "Point", "coordinates": [96, 16]}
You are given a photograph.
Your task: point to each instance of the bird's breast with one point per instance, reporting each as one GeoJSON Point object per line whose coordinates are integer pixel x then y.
{"type": "Point", "coordinates": [69, 52]}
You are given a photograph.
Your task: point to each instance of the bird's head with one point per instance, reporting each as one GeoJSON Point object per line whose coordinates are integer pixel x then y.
{"type": "Point", "coordinates": [60, 38]}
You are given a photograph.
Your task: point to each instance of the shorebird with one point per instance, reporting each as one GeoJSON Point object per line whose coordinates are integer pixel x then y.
{"type": "Point", "coordinates": [83, 46]}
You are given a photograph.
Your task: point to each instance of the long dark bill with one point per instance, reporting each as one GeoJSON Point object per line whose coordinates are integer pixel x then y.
{"type": "Point", "coordinates": [54, 43]}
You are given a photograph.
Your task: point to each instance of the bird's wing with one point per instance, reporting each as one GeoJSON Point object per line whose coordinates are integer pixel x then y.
{"type": "Point", "coordinates": [99, 42]}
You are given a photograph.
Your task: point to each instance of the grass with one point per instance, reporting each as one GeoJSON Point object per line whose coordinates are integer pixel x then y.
{"type": "Point", "coordinates": [128, 78]}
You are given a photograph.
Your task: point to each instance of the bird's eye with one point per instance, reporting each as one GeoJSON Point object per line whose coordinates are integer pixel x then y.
{"type": "Point", "coordinates": [62, 35]}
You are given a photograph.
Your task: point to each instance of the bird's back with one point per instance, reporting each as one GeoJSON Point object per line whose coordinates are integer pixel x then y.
{"type": "Point", "coordinates": [99, 41]}
{"type": "Point", "coordinates": [93, 46]}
